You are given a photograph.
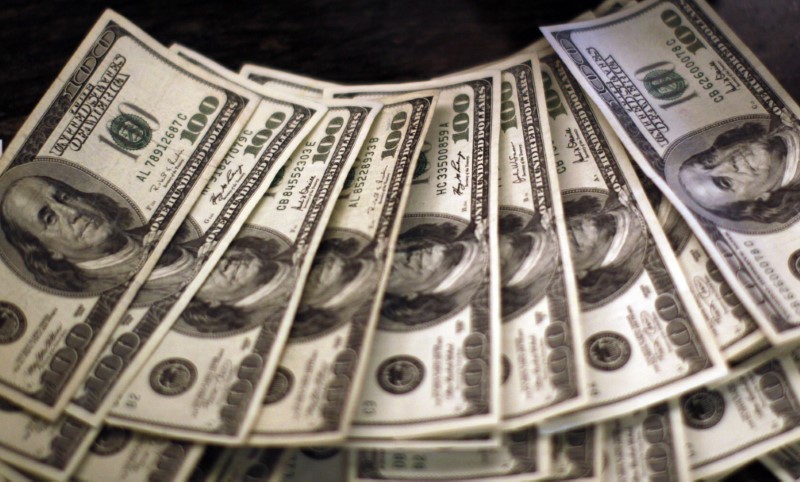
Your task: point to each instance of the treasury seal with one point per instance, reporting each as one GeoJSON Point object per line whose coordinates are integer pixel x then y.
{"type": "Point", "coordinates": [12, 323]}
{"type": "Point", "coordinates": [173, 376]}
{"type": "Point", "coordinates": [703, 409]}
{"type": "Point", "coordinates": [111, 440]}
{"type": "Point", "coordinates": [608, 350]}
{"type": "Point", "coordinates": [400, 374]}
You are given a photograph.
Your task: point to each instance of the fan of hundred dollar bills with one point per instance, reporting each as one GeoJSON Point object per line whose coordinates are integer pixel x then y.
{"type": "Point", "coordinates": [260, 276]}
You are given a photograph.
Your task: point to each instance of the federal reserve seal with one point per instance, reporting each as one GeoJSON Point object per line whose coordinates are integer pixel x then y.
{"type": "Point", "coordinates": [702, 409]}
{"type": "Point", "coordinates": [608, 350]}
{"type": "Point", "coordinates": [12, 323]}
{"type": "Point", "coordinates": [173, 376]}
{"type": "Point", "coordinates": [111, 441]}
{"type": "Point", "coordinates": [281, 383]}
{"type": "Point", "coordinates": [400, 374]}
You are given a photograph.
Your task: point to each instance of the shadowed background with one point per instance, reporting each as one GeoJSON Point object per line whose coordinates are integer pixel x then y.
{"type": "Point", "coordinates": [359, 41]}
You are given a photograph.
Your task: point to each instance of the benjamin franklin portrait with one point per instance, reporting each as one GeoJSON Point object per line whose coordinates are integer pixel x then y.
{"type": "Point", "coordinates": [608, 242]}
{"type": "Point", "coordinates": [439, 264]}
{"type": "Point", "coordinates": [528, 259]}
{"type": "Point", "coordinates": [340, 285]}
{"type": "Point", "coordinates": [750, 173]}
{"type": "Point", "coordinates": [248, 287]}
{"type": "Point", "coordinates": [69, 239]}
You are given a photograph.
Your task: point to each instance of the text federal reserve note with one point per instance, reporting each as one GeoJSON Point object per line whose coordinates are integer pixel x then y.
{"type": "Point", "coordinates": [121, 455]}
{"type": "Point", "coordinates": [283, 81]}
{"type": "Point", "coordinates": [524, 455]}
{"type": "Point", "coordinates": [47, 449]}
{"type": "Point", "coordinates": [715, 132]}
{"type": "Point", "coordinates": [647, 445]}
{"type": "Point", "coordinates": [435, 364]}
{"type": "Point", "coordinates": [275, 129]}
{"type": "Point", "coordinates": [93, 188]}
{"type": "Point", "coordinates": [543, 359]}
{"type": "Point", "coordinates": [644, 337]}
{"type": "Point", "coordinates": [755, 412]}
{"type": "Point", "coordinates": [208, 377]}
{"type": "Point", "coordinates": [314, 391]}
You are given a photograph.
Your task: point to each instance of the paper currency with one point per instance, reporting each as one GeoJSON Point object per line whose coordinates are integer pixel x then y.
{"type": "Point", "coordinates": [93, 187]}
{"type": "Point", "coordinates": [278, 80]}
{"type": "Point", "coordinates": [47, 449]}
{"type": "Point", "coordinates": [714, 131]}
{"type": "Point", "coordinates": [271, 135]}
{"type": "Point", "coordinates": [435, 365]}
{"type": "Point", "coordinates": [124, 456]}
{"type": "Point", "coordinates": [543, 357]}
{"type": "Point", "coordinates": [647, 445]}
{"type": "Point", "coordinates": [577, 454]}
{"type": "Point", "coordinates": [250, 464]}
{"type": "Point", "coordinates": [641, 340]}
{"type": "Point", "coordinates": [208, 377]}
{"type": "Point", "coordinates": [745, 418]}
{"type": "Point", "coordinates": [734, 330]}
{"type": "Point", "coordinates": [313, 394]}
{"type": "Point", "coordinates": [524, 455]}
{"type": "Point", "coordinates": [784, 462]}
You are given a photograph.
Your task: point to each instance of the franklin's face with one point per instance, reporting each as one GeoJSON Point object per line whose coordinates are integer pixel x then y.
{"type": "Point", "coordinates": [235, 276]}
{"type": "Point", "coordinates": [66, 224]}
{"type": "Point", "coordinates": [325, 273]}
{"type": "Point", "coordinates": [742, 172]}
{"type": "Point", "coordinates": [512, 255]}
{"type": "Point", "coordinates": [417, 265]}
{"type": "Point", "coordinates": [589, 242]}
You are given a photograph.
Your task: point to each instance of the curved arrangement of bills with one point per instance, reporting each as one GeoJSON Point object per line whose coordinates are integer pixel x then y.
{"type": "Point", "coordinates": [261, 276]}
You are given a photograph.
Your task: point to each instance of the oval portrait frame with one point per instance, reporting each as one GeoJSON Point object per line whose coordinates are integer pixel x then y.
{"type": "Point", "coordinates": [80, 178]}
{"type": "Point", "coordinates": [698, 141]}
{"type": "Point", "coordinates": [602, 195]}
{"type": "Point", "coordinates": [255, 319]}
{"type": "Point", "coordinates": [462, 297]}
{"type": "Point", "coordinates": [543, 282]}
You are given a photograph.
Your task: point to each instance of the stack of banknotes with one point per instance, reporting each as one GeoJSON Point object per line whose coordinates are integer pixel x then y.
{"type": "Point", "coordinates": [575, 263]}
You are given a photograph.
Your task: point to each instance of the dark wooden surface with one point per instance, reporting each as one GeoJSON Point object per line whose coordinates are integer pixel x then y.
{"type": "Point", "coordinates": [359, 41]}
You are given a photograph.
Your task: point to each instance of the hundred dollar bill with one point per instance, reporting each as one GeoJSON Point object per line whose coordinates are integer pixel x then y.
{"type": "Point", "coordinates": [784, 462]}
{"type": "Point", "coordinates": [755, 412]}
{"type": "Point", "coordinates": [734, 330]}
{"type": "Point", "coordinates": [435, 364]}
{"type": "Point", "coordinates": [92, 189]}
{"type": "Point", "coordinates": [274, 131]}
{"type": "Point", "coordinates": [46, 449]}
{"type": "Point", "coordinates": [123, 456]}
{"type": "Point", "coordinates": [274, 79]}
{"type": "Point", "coordinates": [313, 393]}
{"type": "Point", "coordinates": [714, 131]}
{"type": "Point", "coordinates": [524, 455]}
{"type": "Point", "coordinates": [321, 463]}
{"type": "Point", "coordinates": [543, 357]}
{"type": "Point", "coordinates": [642, 338]}
{"type": "Point", "coordinates": [647, 445]}
{"type": "Point", "coordinates": [208, 377]}
{"type": "Point", "coordinates": [577, 454]}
